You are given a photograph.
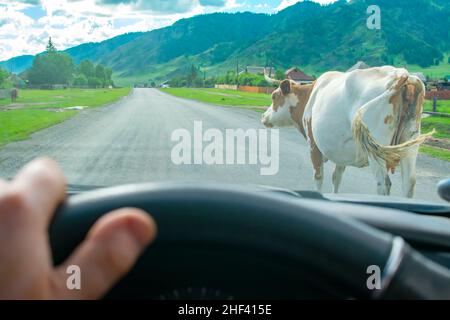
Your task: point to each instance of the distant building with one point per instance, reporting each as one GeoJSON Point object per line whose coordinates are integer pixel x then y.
{"type": "Point", "coordinates": [359, 65]}
{"type": "Point", "coordinates": [298, 76]}
{"type": "Point", "coordinates": [259, 70]}
{"type": "Point", "coordinates": [164, 84]}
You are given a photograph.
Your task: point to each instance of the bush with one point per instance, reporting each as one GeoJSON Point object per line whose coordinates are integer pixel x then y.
{"type": "Point", "coordinates": [256, 80]}
{"type": "Point", "coordinates": [95, 83]}
{"type": "Point", "coordinates": [3, 77]}
{"type": "Point", "coordinates": [80, 80]}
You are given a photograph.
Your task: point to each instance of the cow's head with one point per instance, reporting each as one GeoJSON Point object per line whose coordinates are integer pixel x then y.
{"type": "Point", "coordinates": [288, 106]}
{"type": "Point", "coordinates": [279, 113]}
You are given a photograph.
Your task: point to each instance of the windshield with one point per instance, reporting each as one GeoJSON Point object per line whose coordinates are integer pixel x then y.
{"type": "Point", "coordinates": [331, 96]}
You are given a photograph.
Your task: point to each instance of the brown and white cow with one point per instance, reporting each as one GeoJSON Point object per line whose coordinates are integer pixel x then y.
{"type": "Point", "coordinates": [367, 117]}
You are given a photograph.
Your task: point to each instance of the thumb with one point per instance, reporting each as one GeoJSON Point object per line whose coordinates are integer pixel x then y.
{"type": "Point", "coordinates": [110, 250]}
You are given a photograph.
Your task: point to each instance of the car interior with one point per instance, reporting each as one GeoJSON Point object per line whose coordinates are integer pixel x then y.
{"type": "Point", "coordinates": [219, 241]}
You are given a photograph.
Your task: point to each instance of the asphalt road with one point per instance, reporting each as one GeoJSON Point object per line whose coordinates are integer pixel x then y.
{"type": "Point", "coordinates": [130, 141]}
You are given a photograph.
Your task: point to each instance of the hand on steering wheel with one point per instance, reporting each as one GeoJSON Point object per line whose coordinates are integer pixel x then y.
{"type": "Point", "coordinates": [26, 271]}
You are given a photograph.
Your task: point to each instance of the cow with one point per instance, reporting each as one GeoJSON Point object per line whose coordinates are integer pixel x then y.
{"type": "Point", "coordinates": [366, 117]}
{"type": "Point", "coordinates": [14, 95]}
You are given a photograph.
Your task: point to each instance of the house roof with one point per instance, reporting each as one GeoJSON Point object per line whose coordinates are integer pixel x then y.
{"type": "Point", "coordinates": [262, 70]}
{"type": "Point", "coordinates": [297, 75]}
{"type": "Point", "coordinates": [359, 65]}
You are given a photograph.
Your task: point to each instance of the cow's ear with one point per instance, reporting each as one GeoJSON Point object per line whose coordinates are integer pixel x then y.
{"type": "Point", "coordinates": [285, 87]}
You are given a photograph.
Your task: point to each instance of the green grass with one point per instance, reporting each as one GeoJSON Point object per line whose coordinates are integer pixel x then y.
{"type": "Point", "coordinates": [68, 97]}
{"type": "Point", "coordinates": [434, 152]}
{"type": "Point", "coordinates": [442, 106]}
{"type": "Point", "coordinates": [19, 124]}
{"type": "Point", "coordinates": [436, 72]}
{"type": "Point", "coordinates": [222, 97]}
{"type": "Point", "coordinates": [441, 124]}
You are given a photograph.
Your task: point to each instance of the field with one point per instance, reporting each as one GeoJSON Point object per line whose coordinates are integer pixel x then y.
{"type": "Point", "coordinates": [441, 124]}
{"type": "Point", "coordinates": [223, 97]}
{"type": "Point", "coordinates": [39, 109]}
{"type": "Point", "coordinates": [67, 98]}
{"type": "Point", "coordinates": [436, 72]}
{"type": "Point", "coordinates": [259, 102]}
{"type": "Point", "coordinates": [442, 106]}
{"type": "Point", "coordinates": [434, 152]}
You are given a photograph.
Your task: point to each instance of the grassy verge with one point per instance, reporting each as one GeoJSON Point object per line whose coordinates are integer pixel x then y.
{"type": "Point", "coordinates": [435, 152]}
{"type": "Point", "coordinates": [68, 98]}
{"type": "Point", "coordinates": [442, 106]}
{"type": "Point", "coordinates": [439, 71]}
{"type": "Point", "coordinates": [222, 97]}
{"type": "Point", "coordinates": [20, 124]}
{"type": "Point", "coordinates": [259, 102]}
{"type": "Point", "coordinates": [30, 112]}
{"type": "Point", "coordinates": [441, 124]}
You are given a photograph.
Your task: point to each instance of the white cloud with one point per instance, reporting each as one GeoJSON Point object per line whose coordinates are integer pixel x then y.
{"type": "Point", "coordinates": [73, 22]}
{"type": "Point", "coordinates": [287, 3]}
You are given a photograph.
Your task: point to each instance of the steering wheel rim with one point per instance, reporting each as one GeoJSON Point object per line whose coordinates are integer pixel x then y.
{"type": "Point", "coordinates": [215, 214]}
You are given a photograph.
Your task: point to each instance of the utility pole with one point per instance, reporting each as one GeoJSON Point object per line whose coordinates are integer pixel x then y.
{"type": "Point", "coordinates": [237, 73]}
{"type": "Point", "coordinates": [204, 78]}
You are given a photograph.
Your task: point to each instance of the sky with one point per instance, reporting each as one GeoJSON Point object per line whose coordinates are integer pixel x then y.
{"type": "Point", "coordinates": [26, 25]}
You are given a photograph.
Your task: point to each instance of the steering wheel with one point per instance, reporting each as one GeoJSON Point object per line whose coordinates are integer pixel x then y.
{"type": "Point", "coordinates": [225, 241]}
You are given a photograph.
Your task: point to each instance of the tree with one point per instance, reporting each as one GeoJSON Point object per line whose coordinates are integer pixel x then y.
{"type": "Point", "coordinates": [50, 46]}
{"type": "Point", "coordinates": [4, 75]}
{"type": "Point", "coordinates": [192, 76]}
{"type": "Point", "coordinates": [108, 74]}
{"type": "Point", "coordinates": [95, 82]}
{"type": "Point", "coordinates": [95, 75]}
{"type": "Point", "coordinates": [51, 68]}
{"type": "Point", "coordinates": [279, 75]}
{"type": "Point", "coordinates": [100, 73]}
{"type": "Point", "coordinates": [80, 80]}
{"type": "Point", "coordinates": [87, 68]}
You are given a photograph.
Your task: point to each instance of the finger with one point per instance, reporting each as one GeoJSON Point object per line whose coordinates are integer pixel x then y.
{"type": "Point", "coordinates": [109, 251]}
{"type": "Point", "coordinates": [3, 185]}
{"type": "Point", "coordinates": [38, 189]}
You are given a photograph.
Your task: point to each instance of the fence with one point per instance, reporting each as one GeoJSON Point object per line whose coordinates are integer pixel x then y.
{"type": "Point", "coordinates": [267, 90]}
{"type": "Point", "coordinates": [439, 94]}
{"type": "Point", "coordinates": [226, 86]}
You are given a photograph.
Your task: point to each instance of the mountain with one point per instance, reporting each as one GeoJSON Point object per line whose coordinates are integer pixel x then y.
{"type": "Point", "coordinates": [313, 37]}
{"type": "Point", "coordinates": [17, 64]}
{"type": "Point", "coordinates": [92, 51]}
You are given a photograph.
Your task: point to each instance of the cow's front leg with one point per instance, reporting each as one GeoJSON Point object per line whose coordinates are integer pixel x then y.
{"type": "Point", "coordinates": [381, 176]}
{"type": "Point", "coordinates": [408, 167]}
{"type": "Point", "coordinates": [337, 177]}
{"type": "Point", "coordinates": [317, 160]}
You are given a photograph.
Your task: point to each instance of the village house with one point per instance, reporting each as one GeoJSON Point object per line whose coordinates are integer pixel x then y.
{"type": "Point", "coordinates": [259, 70]}
{"type": "Point", "coordinates": [295, 74]}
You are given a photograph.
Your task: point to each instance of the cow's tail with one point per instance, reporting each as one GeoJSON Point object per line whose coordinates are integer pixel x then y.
{"type": "Point", "coordinates": [390, 155]}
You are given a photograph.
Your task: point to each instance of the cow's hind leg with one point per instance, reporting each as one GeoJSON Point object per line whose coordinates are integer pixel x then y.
{"type": "Point", "coordinates": [388, 184]}
{"type": "Point", "coordinates": [337, 177]}
{"type": "Point", "coordinates": [381, 176]}
{"type": "Point", "coordinates": [408, 166]}
{"type": "Point", "coordinates": [317, 160]}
